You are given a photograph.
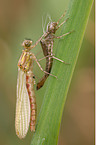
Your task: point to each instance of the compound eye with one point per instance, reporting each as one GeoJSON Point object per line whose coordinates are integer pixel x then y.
{"type": "Point", "coordinates": [33, 77]}
{"type": "Point", "coordinates": [27, 44]}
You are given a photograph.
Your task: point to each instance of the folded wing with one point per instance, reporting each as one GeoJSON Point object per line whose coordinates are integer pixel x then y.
{"type": "Point", "coordinates": [22, 118]}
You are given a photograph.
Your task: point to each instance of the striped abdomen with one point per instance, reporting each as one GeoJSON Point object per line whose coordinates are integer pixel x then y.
{"type": "Point", "coordinates": [49, 61]}
{"type": "Point", "coordinates": [32, 97]}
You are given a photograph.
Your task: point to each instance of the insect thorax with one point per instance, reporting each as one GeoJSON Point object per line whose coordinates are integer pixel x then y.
{"type": "Point", "coordinates": [25, 61]}
{"type": "Point", "coordinates": [51, 27]}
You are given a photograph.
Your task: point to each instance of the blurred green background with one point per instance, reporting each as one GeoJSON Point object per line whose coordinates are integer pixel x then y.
{"type": "Point", "coordinates": [23, 19]}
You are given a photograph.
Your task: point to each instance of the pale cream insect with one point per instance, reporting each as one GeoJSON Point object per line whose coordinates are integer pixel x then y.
{"type": "Point", "coordinates": [25, 92]}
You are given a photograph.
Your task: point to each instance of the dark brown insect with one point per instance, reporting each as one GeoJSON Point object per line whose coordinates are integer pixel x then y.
{"type": "Point", "coordinates": [47, 47]}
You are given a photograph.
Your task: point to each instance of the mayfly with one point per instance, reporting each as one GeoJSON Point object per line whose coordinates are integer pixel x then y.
{"type": "Point", "coordinates": [47, 47]}
{"type": "Point", "coordinates": [26, 100]}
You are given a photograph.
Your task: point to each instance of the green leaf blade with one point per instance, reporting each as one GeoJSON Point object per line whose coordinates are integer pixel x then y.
{"type": "Point", "coordinates": [48, 126]}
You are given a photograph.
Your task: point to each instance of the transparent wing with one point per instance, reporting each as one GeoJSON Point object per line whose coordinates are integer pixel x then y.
{"type": "Point", "coordinates": [48, 18]}
{"type": "Point", "coordinates": [22, 118]}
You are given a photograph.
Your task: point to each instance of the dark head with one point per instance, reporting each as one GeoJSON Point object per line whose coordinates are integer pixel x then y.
{"type": "Point", "coordinates": [51, 27]}
{"type": "Point", "coordinates": [27, 44]}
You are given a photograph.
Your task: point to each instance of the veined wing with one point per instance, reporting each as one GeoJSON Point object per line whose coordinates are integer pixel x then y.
{"type": "Point", "coordinates": [22, 118]}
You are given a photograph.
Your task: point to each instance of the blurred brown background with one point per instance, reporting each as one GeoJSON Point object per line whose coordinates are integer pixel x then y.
{"type": "Point", "coordinates": [21, 19]}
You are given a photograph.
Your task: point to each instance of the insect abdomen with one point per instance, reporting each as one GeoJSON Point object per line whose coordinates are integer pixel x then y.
{"type": "Point", "coordinates": [30, 89]}
{"type": "Point", "coordinates": [49, 62]}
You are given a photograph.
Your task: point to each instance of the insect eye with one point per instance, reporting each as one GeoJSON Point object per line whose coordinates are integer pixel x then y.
{"type": "Point", "coordinates": [33, 77]}
{"type": "Point", "coordinates": [27, 44]}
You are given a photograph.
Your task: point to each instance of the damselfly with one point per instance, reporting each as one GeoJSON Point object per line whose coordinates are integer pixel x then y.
{"type": "Point", "coordinates": [47, 47]}
{"type": "Point", "coordinates": [26, 100]}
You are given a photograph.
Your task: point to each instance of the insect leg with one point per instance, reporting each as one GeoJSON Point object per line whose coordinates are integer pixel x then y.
{"type": "Point", "coordinates": [61, 17]}
{"type": "Point", "coordinates": [59, 59]}
{"type": "Point", "coordinates": [54, 58]}
{"type": "Point", "coordinates": [38, 41]}
{"type": "Point", "coordinates": [62, 35]}
{"type": "Point", "coordinates": [42, 68]}
{"type": "Point", "coordinates": [45, 57]}
{"type": "Point", "coordinates": [62, 23]}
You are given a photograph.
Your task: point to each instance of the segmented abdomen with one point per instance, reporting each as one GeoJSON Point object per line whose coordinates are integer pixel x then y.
{"type": "Point", "coordinates": [31, 92]}
{"type": "Point", "coordinates": [46, 47]}
{"type": "Point", "coordinates": [49, 62]}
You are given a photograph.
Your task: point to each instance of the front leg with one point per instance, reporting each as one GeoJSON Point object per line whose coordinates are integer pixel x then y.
{"type": "Point", "coordinates": [38, 41]}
